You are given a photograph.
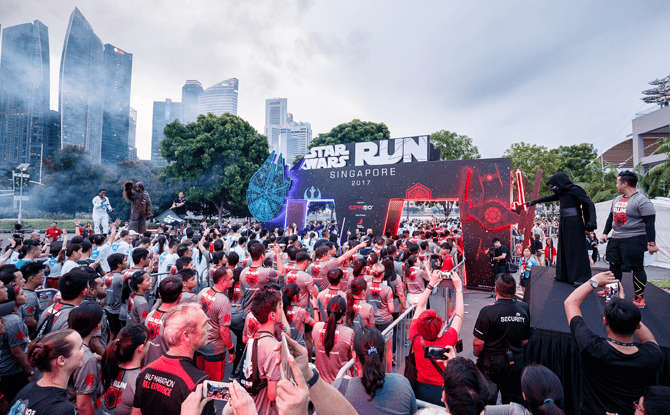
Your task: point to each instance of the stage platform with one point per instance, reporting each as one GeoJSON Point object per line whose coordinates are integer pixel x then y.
{"type": "Point", "coordinates": [551, 343]}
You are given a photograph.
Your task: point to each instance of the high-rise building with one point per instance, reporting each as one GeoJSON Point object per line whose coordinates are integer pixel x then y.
{"type": "Point", "coordinates": [219, 98]}
{"type": "Point", "coordinates": [132, 134]}
{"type": "Point", "coordinates": [164, 113]}
{"type": "Point", "coordinates": [82, 88]}
{"type": "Point", "coordinates": [24, 95]}
{"type": "Point", "coordinates": [189, 100]}
{"type": "Point", "coordinates": [297, 136]}
{"type": "Point", "coordinates": [52, 133]}
{"type": "Point", "coordinates": [285, 136]}
{"type": "Point", "coordinates": [118, 65]}
{"type": "Point", "coordinates": [275, 119]}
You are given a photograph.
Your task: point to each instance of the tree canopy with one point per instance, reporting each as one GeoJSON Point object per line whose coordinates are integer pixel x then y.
{"type": "Point", "coordinates": [215, 157]}
{"type": "Point", "coordinates": [660, 93]}
{"type": "Point", "coordinates": [454, 146]}
{"type": "Point", "coordinates": [657, 180]}
{"type": "Point", "coordinates": [355, 131]}
{"type": "Point", "coordinates": [71, 182]}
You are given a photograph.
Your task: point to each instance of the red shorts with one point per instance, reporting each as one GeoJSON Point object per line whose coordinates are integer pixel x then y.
{"type": "Point", "coordinates": [213, 366]}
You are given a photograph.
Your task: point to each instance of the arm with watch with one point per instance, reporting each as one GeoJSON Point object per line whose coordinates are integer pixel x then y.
{"type": "Point", "coordinates": [574, 301]}
{"type": "Point", "coordinates": [326, 399]}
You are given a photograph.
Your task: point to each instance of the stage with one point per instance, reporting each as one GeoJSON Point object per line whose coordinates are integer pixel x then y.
{"type": "Point", "coordinates": [551, 343]}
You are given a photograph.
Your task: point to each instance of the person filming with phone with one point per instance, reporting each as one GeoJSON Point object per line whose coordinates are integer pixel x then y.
{"type": "Point", "coordinates": [501, 331]}
{"type": "Point", "coordinates": [424, 331]}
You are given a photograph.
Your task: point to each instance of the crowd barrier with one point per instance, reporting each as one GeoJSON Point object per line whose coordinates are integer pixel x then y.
{"type": "Point", "coordinates": [394, 357]}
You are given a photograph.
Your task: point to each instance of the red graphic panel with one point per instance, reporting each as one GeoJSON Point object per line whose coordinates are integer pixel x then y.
{"type": "Point", "coordinates": [419, 192]}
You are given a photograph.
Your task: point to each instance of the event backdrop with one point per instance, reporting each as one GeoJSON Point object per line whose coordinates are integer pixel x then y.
{"type": "Point", "coordinates": [368, 183]}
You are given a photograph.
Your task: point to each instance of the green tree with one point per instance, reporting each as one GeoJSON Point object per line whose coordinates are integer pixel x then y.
{"type": "Point", "coordinates": [660, 93]}
{"type": "Point", "coordinates": [355, 131]}
{"type": "Point", "coordinates": [70, 184]}
{"type": "Point", "coordinates": [656, 182]}
{"type": "Point", "coordinates": [529, 158]}
{"type": "Point", "coordinates": [574, 159]}
{"type": "Point", "coordinates": [598, 184]}
{"type": "Point", "coordinates": [454, 146]}
{"type": "Point", "coordinates": [215, 157]}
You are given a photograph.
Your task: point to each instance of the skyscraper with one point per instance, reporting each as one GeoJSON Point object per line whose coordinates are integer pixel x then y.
{"type": "Point", "coordinates": [24, 94]}
{"type": "Point", "coordinates": [275, 119]}
{"type": "Point", "coordinates": [189, 100]}
{"type": "Point", "coordinates": [297, 136]}
{"type": "Point", "coordinates": [164, 113]}
{"type": "Point", "coordinates": [132, 133]}
{"type": "Point", "coordinates": [81, 89]}
{"type": "Point", "coordinates": [118, 66]}
{"type": "Point", "coordinates": [219, 98]}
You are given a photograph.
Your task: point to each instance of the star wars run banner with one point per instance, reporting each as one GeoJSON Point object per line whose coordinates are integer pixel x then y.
{"type": "Point", "coordinates": [369, 182]}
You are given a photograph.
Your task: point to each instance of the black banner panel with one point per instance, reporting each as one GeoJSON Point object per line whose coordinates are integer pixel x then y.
{"type": "Point", "coordinates": [369, 182]}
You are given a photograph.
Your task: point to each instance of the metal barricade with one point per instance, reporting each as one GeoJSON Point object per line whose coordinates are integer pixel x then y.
{"type": "Point", "coordinates": [442, 297]}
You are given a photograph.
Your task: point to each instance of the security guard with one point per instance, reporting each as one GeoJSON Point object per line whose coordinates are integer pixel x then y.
{"type": "Point", "coordinates": [501, 331]}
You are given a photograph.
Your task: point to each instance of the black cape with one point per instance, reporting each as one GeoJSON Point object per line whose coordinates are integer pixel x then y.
{"type": "Point", "coordinates": [572, 261]}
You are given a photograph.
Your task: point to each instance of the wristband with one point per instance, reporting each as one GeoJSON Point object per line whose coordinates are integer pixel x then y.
{"type": "Point", "coordinates": [459, 291]}
{"type": "Point", "coordinates": [430, 287]}
{"type": "Point", "coordinates": [231, 350]}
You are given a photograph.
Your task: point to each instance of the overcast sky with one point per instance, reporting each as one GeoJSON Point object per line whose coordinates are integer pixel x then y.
{"type": "Point", "coordinates": [547, 73]}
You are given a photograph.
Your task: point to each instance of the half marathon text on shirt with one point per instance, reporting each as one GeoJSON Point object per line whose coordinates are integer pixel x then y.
{"type": "Point", "coordinates": [158, 383]}
{"type": "Point", "coordinates": [369, 153]}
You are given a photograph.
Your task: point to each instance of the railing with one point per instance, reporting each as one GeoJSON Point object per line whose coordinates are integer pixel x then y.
{"type": "Point", "coordinates": [401, 328]}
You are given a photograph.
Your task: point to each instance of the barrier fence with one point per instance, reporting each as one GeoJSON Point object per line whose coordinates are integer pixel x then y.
{"type": "Point", "coordinates": [441, 299]}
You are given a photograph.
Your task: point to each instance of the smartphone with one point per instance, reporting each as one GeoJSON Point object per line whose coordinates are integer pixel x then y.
{"type": "Point", "coordinates": [285, 368]}
{"type": "Point", "coordinates": [435, 353]}
{"type": "Point", "coordinates": [459, 346]}
{"type": "Point", "coordinates": [216, 390]}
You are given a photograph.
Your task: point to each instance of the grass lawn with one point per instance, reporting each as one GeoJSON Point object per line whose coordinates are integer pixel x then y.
{"type": "Point", "coordinates": [661, 283]}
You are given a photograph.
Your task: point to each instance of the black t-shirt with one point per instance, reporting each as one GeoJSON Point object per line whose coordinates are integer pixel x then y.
{"type": "Point", "coordinates": [88, 262]}
{"type": "Point", "coordinates": [611, 380]}
{"type": "Point", "coordinates": [536, 246]}
{"type": "Point", "coordinates": [499, 251]}
{"type": "Point", "coordinates": [180, 210]}
{"type": "Point", "coordinates": [165, 384]}
{"type": "Point", "coordinates": [503, 325]}
{"type": "Point", "coordinates": [36, 400]}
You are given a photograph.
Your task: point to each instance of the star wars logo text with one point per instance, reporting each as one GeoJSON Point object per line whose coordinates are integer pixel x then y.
{"type": "Point", "coordinates": [372, 153]}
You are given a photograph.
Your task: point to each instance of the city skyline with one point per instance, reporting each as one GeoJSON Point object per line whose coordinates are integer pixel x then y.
{"type": "Point", "coordinates": [500, 73]}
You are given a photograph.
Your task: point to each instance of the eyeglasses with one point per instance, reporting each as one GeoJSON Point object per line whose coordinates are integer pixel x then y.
{"type": "Point", "coordinates": [638, 407]}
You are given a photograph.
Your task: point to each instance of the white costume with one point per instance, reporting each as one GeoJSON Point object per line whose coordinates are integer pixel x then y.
{"type": "Point", "coordinates": [100, 217]}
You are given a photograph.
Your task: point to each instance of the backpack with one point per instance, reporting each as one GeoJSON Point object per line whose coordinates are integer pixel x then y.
{"type": "Point", "coordinates": [250, 378]}
{"type": "Point", "coordinates": [47, 324]}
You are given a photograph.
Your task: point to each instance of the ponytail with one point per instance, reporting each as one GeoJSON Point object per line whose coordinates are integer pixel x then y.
{"type": "Point", "coordinates": [359, 264]}
{"type": "Point", "coordinates": [290, 291]}
{"type": "Point", "coordinates": [336, 309]}
{"type": "Point", "coordinates": [357, 286]}
{"type": "Point", "coordinates": [543, 390]}
{"type": "Point", "coordinates": [369, 347]}
{"type": "Point", "coordinates": [411, 261]}
{"type": "Point", "coordinates": [121, 350]}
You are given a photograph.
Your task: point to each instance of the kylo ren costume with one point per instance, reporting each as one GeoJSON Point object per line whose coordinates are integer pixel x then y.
{"type": "Point", "coordinates": [578, 214]}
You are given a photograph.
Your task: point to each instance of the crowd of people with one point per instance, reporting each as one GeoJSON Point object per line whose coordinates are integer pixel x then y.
{"type": "Point", "coordinates": [141, 320]}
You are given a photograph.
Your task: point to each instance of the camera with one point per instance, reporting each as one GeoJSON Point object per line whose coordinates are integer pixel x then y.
{"type": "Point", "coordinates": [445, 275]}
{"type": "Point", "coordinates": [492, 251]}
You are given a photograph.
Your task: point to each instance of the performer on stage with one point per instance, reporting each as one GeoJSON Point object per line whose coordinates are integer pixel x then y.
{"type": "Point", "coordinates": [140, 206]}
{"type": "Point", "coordinates": [577, 215]}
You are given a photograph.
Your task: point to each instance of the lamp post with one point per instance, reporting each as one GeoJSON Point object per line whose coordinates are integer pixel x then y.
{"type": "Point", "coordinates": [22, 167]}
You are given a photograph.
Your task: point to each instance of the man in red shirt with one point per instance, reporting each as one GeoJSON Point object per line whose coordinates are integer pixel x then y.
{"type": "Point", "coordinates": [445, 255]}
{"type": "Point", "coordinates": [53, 231]}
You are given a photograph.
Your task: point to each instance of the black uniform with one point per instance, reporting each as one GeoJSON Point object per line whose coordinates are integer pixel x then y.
{"type": "Point", "coordinates": [578, 214]}
{"type": "Point", "coordinates": [501, 264]}
{"type": "Point", "coordinates": [503, 326]}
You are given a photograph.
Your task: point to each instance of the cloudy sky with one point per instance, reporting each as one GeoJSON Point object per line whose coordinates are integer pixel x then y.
{"type": "Point", "coordinates": [548, 73]}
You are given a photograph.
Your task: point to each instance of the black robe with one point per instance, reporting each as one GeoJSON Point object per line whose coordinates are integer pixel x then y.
{"type": "Point", "coordinates": [572, 260]}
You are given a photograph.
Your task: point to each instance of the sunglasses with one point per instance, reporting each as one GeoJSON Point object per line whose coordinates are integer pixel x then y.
{"type": "Point", "coordinates": [637, 406]}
